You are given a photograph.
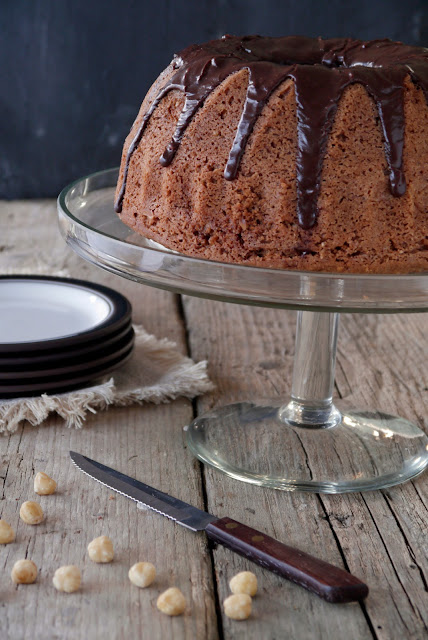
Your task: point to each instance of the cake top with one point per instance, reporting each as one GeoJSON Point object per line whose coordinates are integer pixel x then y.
{"type": "Point", "coordinates": [291, 50]}
{"type": "Point", "coordinates": [321, 70]}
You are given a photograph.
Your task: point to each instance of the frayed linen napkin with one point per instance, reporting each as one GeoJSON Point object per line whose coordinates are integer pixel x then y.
{"type": "Point", "coordinates": [156, 372]}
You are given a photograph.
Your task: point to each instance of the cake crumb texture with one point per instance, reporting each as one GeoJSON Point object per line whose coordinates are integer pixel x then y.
{"type": "Point", "coordinates": [361, 226]}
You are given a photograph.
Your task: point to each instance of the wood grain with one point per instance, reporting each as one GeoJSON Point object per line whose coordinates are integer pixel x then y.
{"type": "Point", "coordinates": [378, 536]}
{"type": "Point", "coordinates": [144, 442]}
{"type": "Point", "coordinates": [250, 355]}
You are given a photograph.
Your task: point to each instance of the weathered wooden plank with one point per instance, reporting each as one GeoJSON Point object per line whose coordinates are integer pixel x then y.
{"type": "Point", "coordinates": [391, 351]}
{"type": "Point", "coordinates": [145, 442]}
{"type": "Point", "coordinates": [378, 538]}
{"type": "Point", "coordinates": [250, 355]}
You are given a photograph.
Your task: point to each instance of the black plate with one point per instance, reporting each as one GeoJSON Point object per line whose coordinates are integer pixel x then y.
{"type": "Point", "coordinates": [62, 357]}
{"type": "Point", "coordinates": [120, 315]}
{"type": "Point", "coordinates": [66, 369]}
{"type": "Point", "coordinates": [59, 385]}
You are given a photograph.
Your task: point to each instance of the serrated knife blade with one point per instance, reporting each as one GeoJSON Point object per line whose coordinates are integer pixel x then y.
{"type": "Point", "coordinates": [327, 581]}
{"type": "Point", "coordinates": [181, 512]}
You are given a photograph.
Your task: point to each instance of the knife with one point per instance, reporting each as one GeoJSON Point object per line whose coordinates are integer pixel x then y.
{"type": "Point", "coordinates": [327, 581]}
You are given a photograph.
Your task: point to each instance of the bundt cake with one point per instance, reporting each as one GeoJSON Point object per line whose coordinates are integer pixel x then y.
{"type": "Point", "coordinates": [291, 153]}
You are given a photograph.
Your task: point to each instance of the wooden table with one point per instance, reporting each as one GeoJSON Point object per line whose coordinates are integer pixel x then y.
{"type": "Point", "coordinates": [380, 536]}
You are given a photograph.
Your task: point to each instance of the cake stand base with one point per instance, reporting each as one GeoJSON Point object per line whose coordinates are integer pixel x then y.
{"type": "Point", "coordinates": [258, 443]}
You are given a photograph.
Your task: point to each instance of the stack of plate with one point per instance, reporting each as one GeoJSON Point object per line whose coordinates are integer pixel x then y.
{"type": "Point", "coordinates": [57, 334]}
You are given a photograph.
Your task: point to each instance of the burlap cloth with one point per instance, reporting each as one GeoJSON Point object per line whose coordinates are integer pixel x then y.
{"type": "Point", "coordinates": [156, 372]}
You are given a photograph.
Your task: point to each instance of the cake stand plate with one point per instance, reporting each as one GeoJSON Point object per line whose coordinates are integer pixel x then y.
{"type": "Point", "coordinates": [306, 442]}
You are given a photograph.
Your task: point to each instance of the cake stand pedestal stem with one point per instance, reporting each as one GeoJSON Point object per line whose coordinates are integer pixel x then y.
{"type": "Point", "coordinates": [308, 444]}
{"type": "Point", "coordinates": [311, 404]}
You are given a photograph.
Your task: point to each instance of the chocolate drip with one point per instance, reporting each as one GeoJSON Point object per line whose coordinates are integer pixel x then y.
{"type": "Point", "coordinates": [318, 90]}
{"type": "Point", "coordinates": [264, 78]}
{"type": "Point", "coordinates": [388, 92]}
{"type": "Point", "coordinates": [321, 70]}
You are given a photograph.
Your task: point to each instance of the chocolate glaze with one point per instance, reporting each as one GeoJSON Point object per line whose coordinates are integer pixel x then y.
{"type": "Point", "coordinates": [321, 70]}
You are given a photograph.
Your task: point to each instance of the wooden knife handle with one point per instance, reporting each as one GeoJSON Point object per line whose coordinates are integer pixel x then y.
{"type": "Point", "coordinates": [327, 581]}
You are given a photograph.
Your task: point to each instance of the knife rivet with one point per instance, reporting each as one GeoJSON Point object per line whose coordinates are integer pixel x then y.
{"type": "Point", "coordinates": [231, 525]}
{"type": "Point", "coordinates": [257, 538]}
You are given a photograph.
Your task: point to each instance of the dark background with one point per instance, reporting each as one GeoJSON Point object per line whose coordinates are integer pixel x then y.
{"type": "Point", "coordinates": [73, 73]}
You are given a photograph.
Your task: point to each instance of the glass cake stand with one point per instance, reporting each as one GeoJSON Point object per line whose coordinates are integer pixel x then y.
{"type": "Point", "coordinates": [302, 443]}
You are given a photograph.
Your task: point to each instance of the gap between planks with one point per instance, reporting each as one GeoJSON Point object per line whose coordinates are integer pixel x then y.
{"type": "Point", "coordinates": [210, 545]}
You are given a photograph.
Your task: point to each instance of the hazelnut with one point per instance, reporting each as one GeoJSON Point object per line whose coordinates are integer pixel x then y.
{"type": "Point", "coordinates": [238, 606]}
{"type": "Point", "coordinates": [244, 582]}
{"type": "Point", "coordinates": [24, 572]}
{"type": "Point", "coordinates": [172, 602]}
{"type": "Point", "coordinates": [142, 574]}
{"type": "Point", "coordinates": [7, 534]}
{"type": "Point", "coordinates": [31, 512]}
{"type": "Point", "coordinates": [43, 484]}
{"type": "Point", "coordinates": [101, 549]}
{"type": "Point", "coordinates": [67, 578]}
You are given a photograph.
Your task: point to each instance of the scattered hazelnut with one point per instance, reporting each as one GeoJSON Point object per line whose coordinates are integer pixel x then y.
{"type": "Point", "coordinates": [238, 606]}
{"type": "Point", "coordinates": [24, 572]}
{"type": "Point", "coordinates": [67, 578]}
{"type": "Point", "coordinates": [172, 602]}
{"type": "Point", "coordinates": [101, 549]}
{"type": "Point", "coordinates": [43, 484]}
{"type": "Point", "coordinates": [7, 534]}
{"type": "Point", "coordinates": [244, 582]}
{"type": "Point", "coordinates": [31, 512]}
{"type": "Point", "coordinates": [142, 574]}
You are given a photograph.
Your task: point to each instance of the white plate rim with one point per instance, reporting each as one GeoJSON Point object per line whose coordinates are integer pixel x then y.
{"type": "Point", "coordinates": [120, 312]}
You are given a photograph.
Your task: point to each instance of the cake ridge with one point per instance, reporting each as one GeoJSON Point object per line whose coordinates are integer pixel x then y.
{"type": "Point", "coordinates": [381, 66]}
